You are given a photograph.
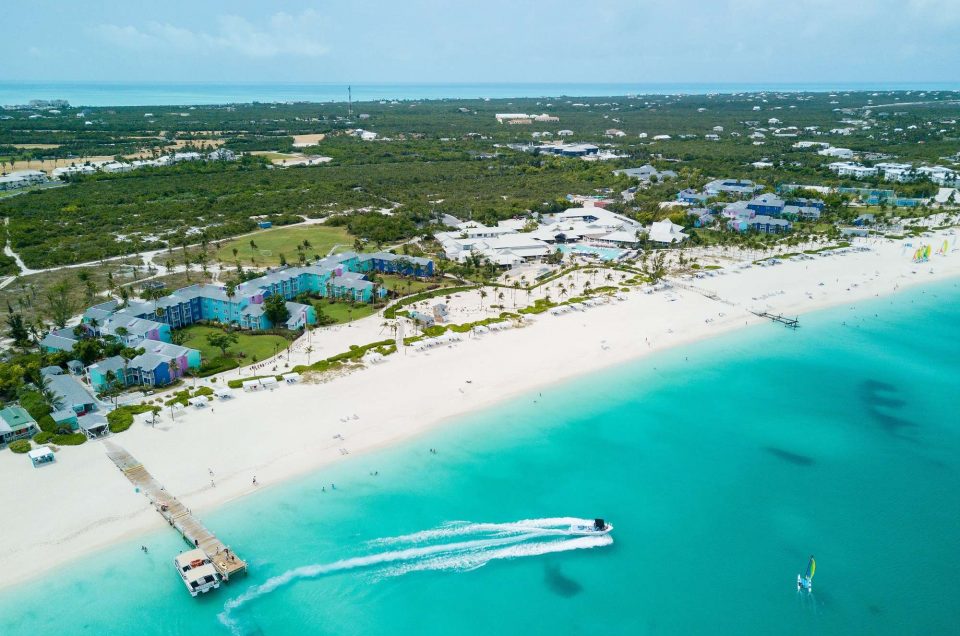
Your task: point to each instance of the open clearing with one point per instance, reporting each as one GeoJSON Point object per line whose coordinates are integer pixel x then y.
{"type": "Point", "coordinates": [268, 245]}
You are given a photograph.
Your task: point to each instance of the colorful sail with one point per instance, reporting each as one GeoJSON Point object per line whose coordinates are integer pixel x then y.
{"type": "Point", "coordinates": [811, 569]}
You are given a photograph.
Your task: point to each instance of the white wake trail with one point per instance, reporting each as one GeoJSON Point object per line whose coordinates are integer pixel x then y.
{"type": "Point", "coordinates": [468, 561]}
{"type": "Point", "coordinates": [531, 537]}
{"type": "Point", "coordinates": [553, 525]}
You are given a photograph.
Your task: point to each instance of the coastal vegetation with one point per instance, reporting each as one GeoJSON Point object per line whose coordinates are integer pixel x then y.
{"type": "Point", "coordinates": [222, 349]}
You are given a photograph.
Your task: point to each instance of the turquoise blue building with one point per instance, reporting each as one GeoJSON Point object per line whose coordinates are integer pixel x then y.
{"type": "Point", "coordinates": [160, 364]}
{"type": "Point", "coordinates": [341, 276]}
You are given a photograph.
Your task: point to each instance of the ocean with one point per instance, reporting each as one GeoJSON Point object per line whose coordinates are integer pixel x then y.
{"type": "Point", "coordinates": [722, 466]}
{"type": "Point", "coordinates": [195, 93]}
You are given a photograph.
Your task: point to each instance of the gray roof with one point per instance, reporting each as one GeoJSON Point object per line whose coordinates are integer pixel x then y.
{"type": "Point", "coordinates": [92, 422]}
{"type": "Point", "coordinates": [352, 280]}
{"type": "Point", "coordinates": [388, 256]}
{"type": "Point", "coordinates": [148, 361]}
{"type": "Point", "coordinates": [51, 370]}
{"type": "Point", "coordinates": [101, 311]}
{"type": "Point", "coordinates": [114, 364]}
{"type": "Point", "coordinates": [165, 348]}
{"type": "Point", "coordinates": [252, 309]}
{"type": "Point", "coordinates": [54, 341]}
{"type": "Point", "coordinates": [768, 199]}
{"type": "Point", "coordinates": [70, 391]}
{"type": "Point", "coordinates": [62, 415]}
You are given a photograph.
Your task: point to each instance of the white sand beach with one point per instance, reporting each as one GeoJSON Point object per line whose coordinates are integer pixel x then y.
{"type": "Point", "coordinates": [82, 502]}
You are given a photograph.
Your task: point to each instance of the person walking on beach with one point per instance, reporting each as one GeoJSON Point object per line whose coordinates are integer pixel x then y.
{"type": "Point", "coordinates": [254, 480]}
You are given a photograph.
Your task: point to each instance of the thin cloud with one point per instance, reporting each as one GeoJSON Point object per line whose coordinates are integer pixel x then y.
{"type": "Point", "coordinates": [282, 35]}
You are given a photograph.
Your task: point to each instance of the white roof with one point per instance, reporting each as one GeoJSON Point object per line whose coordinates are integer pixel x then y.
{"type": "Point", "coordinates": [666, 232]}
{"type": "Point", "coordinates": [39, 453]}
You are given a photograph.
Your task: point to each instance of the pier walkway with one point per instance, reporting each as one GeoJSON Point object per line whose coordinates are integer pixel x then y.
{"type": "Point", "coordinates": [177, 515]}
{"type": "Point", "coordinates": [792, 323]}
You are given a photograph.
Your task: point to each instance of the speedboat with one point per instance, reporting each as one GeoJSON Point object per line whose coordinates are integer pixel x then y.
{"type": "Point", "coordinates": [599, 527]}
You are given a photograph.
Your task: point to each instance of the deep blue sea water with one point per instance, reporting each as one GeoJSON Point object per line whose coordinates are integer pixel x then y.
{"type": "Point", "coordinates": [186, 93]}
{"type": "Point", "coordinates": [722, 465]}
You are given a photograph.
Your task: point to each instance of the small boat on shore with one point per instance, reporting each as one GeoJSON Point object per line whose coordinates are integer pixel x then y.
{"type": "Point", "coordinates": [197, 572]}
{"type": "Point", "coordinates": [599, 527]}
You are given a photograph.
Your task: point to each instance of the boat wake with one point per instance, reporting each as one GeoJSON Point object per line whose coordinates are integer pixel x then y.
{"type": "Point", "coordinates": [455, 546]}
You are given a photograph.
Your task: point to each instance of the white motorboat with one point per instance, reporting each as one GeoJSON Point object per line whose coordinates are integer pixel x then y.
{"type": "Point", "coordinates": [599, 527]}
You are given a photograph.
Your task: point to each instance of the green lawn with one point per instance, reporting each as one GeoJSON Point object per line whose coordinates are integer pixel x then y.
{"type": "Point", "coordinates": [344, 312]}
{"type": "Point", "coordinates": [255, 348]}
{"type": "Point", "coordinates": [405, 286]}
{"type": "Point", "coordinates": [284, 240]}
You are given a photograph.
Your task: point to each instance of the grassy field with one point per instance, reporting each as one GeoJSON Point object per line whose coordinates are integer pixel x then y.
{"type": "Point", "coordinates": [344, 312]}
{"type": "Point", "coordinates": [405, 286]}
{"type": "Point", "coordinates": [248, 349]}
{"type": "Point", "coordinates": [284, 240]}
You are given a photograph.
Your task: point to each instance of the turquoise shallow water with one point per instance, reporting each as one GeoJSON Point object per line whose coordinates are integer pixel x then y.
{"type": "Point", "coordinates": [722, 466]}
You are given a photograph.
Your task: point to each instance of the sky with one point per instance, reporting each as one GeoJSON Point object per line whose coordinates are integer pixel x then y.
{"type": "Point", "coordinates": [432, 41]}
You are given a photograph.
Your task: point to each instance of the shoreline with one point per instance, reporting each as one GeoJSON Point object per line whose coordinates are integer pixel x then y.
{"type": "Point", "coordinates": [287, 433]}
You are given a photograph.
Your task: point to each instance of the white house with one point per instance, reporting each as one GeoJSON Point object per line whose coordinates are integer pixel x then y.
{"type": "Point", "coordinates": [666, 232]}
{"type": "Point", "coordinates": [839, 153]}
{"type": "Point", "coordinates": [852, 169]}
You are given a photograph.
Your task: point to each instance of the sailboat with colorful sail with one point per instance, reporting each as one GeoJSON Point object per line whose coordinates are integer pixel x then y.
{"type": "Point", "coordinates": [805, 580]}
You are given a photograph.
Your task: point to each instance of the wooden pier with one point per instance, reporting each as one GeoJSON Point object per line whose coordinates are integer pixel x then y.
{"type": "Point", "coordinates": [792, 323]}
{"type": "Point", "coordinates": [177, 515]}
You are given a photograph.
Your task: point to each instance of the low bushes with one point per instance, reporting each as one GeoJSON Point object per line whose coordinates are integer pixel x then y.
{"type": "Point", "coordinates": [183, 397]}
{"type": "Point", "coordinates": [217, 365]}
{"type": "Point", "coordinates": [47, 424]}
{"type": "Point", "coordinates": [43, 437]}
{"type": "Point", "coordinates": [69, 439]}
{"type": "Point", "coordinates": [20, 446]}
{"type": "Point", "coordinates": [538, 307]}
{"type": "Point", "coordinates": [383, 347]}
{"type": "Point", "coordinates": [121, 418]}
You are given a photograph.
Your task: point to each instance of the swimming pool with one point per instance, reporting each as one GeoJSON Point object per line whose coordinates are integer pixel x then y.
{"type": "Point", "coordinates": [605, 253]}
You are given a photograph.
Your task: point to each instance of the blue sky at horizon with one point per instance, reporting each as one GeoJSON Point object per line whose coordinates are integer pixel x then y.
{"type": "Point", "coordinates": [432, 41]}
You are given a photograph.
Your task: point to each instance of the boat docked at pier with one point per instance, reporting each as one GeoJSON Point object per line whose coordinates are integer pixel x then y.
{"type": "Point", "coordinates": [197, 572]}
{"type": "Point", "coordinates": [599, 527]}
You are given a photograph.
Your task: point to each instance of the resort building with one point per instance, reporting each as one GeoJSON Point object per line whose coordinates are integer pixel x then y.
{"type": "Point", "coordinates": [507, 245]}
{"type": "Point", "coordinates": [666, 232]}
{"type": "Point", "coordinates": [22, 179]}
{"type": "Point", "coordinates": [71, 394]}
{"type": "Point", "coordinates": [160, 364]}
{"type": "Point", "coordinates": [733, 187]}
{"type": "Point", "coordinates": [646, 173]}
{"type": "Point", "coordinates": [15, 423]}
{"type": "Point", "coordinates": [340, 276]}
{"type": "Point", "coordinates": [760, 223]}
{"type": "Point", "coordinates": [58, 340]}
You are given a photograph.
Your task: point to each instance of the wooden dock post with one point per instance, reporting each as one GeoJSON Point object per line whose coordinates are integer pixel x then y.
{"type": "Point", "coordinates": [226, 562]}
